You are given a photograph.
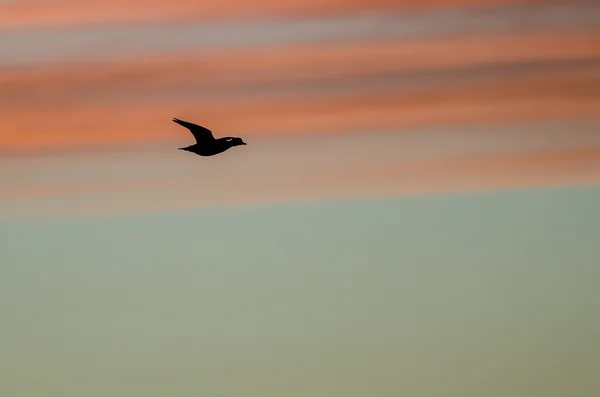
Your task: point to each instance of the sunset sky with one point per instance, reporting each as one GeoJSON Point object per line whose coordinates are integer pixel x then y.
{"type": "Point", "coordinates": [419, 176]}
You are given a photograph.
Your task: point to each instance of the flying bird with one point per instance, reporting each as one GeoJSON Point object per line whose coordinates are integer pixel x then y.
{"type": "Point", "coordinates": [206, 144]}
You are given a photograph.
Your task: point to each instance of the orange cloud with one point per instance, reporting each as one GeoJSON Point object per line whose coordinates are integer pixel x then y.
{"type": "Point", "coordinates": [74, 12]}
{"type": "Point", "coordinates": [265, 91]}
{"type": "Point", "coordinates": [390, 176]}
{"type": "Point", "coordinates": [296, 63]}
{"type": "Point", "coordinates": [535, 96]}
{"type": "Point", "coordinates": [292, 91]}
{"type": "Point", "coordinates": [94, 127]}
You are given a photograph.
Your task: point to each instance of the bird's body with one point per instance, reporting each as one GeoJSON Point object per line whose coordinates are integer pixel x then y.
{"type": "Point", "coordinates": [218, 146]}
{"type": "Point", "coordinates": [206, 144]}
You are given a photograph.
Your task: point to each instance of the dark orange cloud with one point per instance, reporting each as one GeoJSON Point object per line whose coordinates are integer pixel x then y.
{"type": "Point", "coordinates": [264, 91]}
{"type": "Point", "coordinates": [347, 178]}
{"type": "Point", "coordinates": [288, 64]}
{"type": "Point", "coordinates": [75, 12]}
{"type": "Point", "coordinates": [490, 80]}
{"type": "Point", "coordinates": [568, 95]}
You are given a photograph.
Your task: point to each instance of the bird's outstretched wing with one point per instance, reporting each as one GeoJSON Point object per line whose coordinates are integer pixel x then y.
{"type": "Point", "coordinates": [200, 133]}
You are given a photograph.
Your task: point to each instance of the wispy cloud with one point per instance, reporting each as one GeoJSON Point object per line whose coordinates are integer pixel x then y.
{"type": "Point", "coordinates": [305, 88]}
{"type": "Point", "coordinates": [301, 168]}
{"type": "Point", "coordinates": [535, 98]}
{"type": "Point", "coordinates": [34, 13]}
{"type": "Point", "coordinates": [99, 42]}
{"type": "Point", "coordinates": [335, 99]}
{"type": "Point", "coordinates": [220, 70]}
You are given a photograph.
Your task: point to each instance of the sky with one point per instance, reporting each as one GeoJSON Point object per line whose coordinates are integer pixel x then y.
{"type": "Point", "coordinates": [417, 199]}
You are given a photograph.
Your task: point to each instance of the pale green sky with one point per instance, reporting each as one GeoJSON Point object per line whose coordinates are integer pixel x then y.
{"type": "Point", "coordinates": [466, 295]}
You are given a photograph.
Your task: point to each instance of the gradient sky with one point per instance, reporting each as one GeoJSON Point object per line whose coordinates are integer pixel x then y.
{"type": "Point", "coordinates": [416, 211]}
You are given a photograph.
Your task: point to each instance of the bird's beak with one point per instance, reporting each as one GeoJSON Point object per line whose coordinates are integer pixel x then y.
{"type": "Point", "coordinates": [244, 143]}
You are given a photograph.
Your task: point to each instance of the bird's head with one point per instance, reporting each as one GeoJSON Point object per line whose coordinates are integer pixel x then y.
{"type": "Point", "coordinates": [236, 142]}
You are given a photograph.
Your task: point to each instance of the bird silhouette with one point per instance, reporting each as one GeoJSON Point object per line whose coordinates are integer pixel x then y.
{"type": "Point", "coordinates": [206, 144]}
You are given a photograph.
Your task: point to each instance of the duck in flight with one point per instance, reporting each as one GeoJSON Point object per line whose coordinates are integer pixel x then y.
{"type": "Point", "coordinates": [206, 144]}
